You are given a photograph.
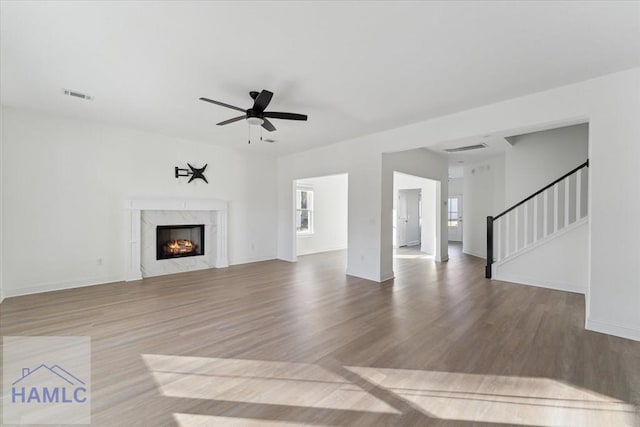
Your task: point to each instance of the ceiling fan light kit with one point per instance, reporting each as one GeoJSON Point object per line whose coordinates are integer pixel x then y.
{"type": "Point", "coordinates": [255, 121]}
{"type": "Point", "coordinates": [256, 115]}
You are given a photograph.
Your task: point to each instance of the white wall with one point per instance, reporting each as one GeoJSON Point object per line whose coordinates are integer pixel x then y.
{"type": "Point", "coordinates": [456, 186]}
{"type": "Point", "coordinates": [483, 195]}
{"type": "Point", "coordinates": [613, 297]}
{"type": "Point", "coordinates": [428, 188]}
{"type": "Point", "coordinates": [64, 186]}
{"type": "Point", "coordinates": [611, 105]}
{"type": "Point", "coordinates": [330, 212]}
{"type": "Point", "coordinates": [537, 159]}
{"type": "Point", "coordinates": [1, 209]}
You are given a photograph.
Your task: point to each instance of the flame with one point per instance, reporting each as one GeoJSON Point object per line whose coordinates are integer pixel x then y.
{"type": "Point", "coordinates": [179, 247]}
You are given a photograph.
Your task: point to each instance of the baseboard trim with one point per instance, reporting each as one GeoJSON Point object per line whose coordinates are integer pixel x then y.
{"type": "Point", "coordinates": [341, 248]}
{"type": "Point", "coordinates": [556, 286]}
{"type": "Point", "coordinates": [379, 279]}
{"type": "Point", "coordinates": [473, 253]}
{"type": "Point", "coordinates": [252, 260]}
{"type": "Point", "coordinates": [359, 275]}
{"type": "Point", "coordinates": [386, 277]}
{"type": "Point", "coordinates": [81, 283]}
{"type": "Point", "coordinates": [608, 328]}
{"type": "Point", "coordinates": [63, 285]}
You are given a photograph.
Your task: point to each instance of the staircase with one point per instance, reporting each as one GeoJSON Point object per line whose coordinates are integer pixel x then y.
{"type": "Point", "coordinates": [527, 241]}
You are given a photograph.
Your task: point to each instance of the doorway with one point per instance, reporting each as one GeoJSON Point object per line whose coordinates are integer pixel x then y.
{"type": "Point", "coordinates": [321, 214]}
{"type": "Point", "coordinates": [409, 217]}
{"type": "Point", "coordinates": [454, 218]}
{"type": "Point", "coordinates": [415, 215]}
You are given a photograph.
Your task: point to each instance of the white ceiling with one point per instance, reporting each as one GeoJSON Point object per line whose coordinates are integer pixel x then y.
{"type": "Point", "coordinates": [354, 68]}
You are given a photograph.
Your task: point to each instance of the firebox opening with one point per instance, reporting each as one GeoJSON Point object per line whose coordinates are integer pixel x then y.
{"type": "Point", "coordinates": [177, 241]}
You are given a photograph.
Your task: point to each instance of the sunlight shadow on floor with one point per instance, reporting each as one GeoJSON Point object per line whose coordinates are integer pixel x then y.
{"type": "Point", "coordinates": [501, 399]}
{"type": "Point", "coordinates": [260, 382]}
{"type": "Point", "coordinates": [473, 398]}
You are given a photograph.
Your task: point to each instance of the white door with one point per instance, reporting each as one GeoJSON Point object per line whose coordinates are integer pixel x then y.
{"type": "Point", "coordinates": [454, 207]}
{"type": "Point", "coordinates": [408, 217]}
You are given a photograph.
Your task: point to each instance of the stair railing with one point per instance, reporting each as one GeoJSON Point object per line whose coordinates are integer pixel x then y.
{"type": "Point", "coordinates": [558, 211]}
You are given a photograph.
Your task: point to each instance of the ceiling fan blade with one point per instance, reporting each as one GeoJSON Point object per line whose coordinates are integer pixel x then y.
{"type": "Point", "coordinates": [262, 100]}
{"type": "Point", "coordinates": [285, 116]}
{"type": "Point", "coordinates": [235, 119]}
{"type": "Point", "coordinates": [222, 104]}
{"type": "Point", "coordinates": [268, 125]}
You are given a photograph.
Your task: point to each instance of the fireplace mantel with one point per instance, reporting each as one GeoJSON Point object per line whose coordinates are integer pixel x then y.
{"type": "Point", "coordinates": [135, 207]}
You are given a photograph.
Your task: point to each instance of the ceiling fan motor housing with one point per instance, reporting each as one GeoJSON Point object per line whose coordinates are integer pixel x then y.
{"type": "Point", "coordinates": [254, 117]}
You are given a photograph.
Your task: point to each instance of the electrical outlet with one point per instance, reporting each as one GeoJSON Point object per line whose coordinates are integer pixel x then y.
{"type": "Point", "coordinates": [99, 261]}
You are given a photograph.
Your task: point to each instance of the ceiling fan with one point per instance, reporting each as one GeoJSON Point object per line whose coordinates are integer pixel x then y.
{"type": "Point", "coordinates": [256, 114]}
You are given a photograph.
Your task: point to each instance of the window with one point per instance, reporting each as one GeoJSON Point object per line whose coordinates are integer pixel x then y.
{"type": "Point", "coordinates": [304, 211]}
{"type": "Point", "coordinates": [453, 212]}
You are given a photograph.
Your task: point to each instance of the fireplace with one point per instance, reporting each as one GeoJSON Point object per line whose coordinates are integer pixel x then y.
{"type": "Point", "coordinates": [178, 241]}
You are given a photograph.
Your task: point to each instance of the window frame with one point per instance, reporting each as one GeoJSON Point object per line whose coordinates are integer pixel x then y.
{"type": "Point", "coordinates": [449, 212]}
{"type": "Point", "coordinates": [310, 210]}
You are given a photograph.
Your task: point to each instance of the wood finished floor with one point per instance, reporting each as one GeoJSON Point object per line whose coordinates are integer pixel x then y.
{"type": "Point", "coordinates": [275, 343]}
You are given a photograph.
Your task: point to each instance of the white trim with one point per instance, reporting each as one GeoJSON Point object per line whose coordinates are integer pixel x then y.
{"type": "Point", "coordinates": [319, 251]}
{"type": "Point", "coordinates": [386, 277]}
{"type": "Point", "coordinates": [311, 209]}
{"type": "Point", "coordinates": [522, 280]}
{"type": "Point", "coordinates": [567, 194]}
{"type": "Point", "coordinates": [556, 207]}
{"type": "Point", "coordinates": [251, 260]}
{"type": "Point", "coordinates": [578, 193]}
{"type": "Point", "coordinates": [473, 253]}
{"type": "Point", "coordinates": [442, 259]}
{"type": "Point", "coordinates": [609, 328]}
{"type": "Point", "coordinates": [544, 240]}
{"type": "Point", "coordinates": [545, 213]}
{"type": "Point", "coordinates": [516, 229]}
{"type": "Point", "coordinates": [132, 230]}
{"type": "Point", "coordinates": [535, 220]}
{"type": "Point", "coordinates": [378, 279]}
{"type": "Point", "coordinates": [176, 204]}
{"type": "Point", "coordinates": [63, 285]}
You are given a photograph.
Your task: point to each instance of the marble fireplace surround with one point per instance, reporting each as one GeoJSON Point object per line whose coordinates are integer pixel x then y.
{"type": "Point", "coordinates": [216, 234]}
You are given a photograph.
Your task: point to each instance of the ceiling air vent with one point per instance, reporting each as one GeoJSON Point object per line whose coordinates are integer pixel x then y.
{"type": "Point", "coordinates": [77, 94]}
{"type": "Point", "coordinates": [466, 148]}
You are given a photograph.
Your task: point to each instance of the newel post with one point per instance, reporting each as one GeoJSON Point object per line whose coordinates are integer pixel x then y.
{"type": "Point", "coordinates": [487, 270]}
